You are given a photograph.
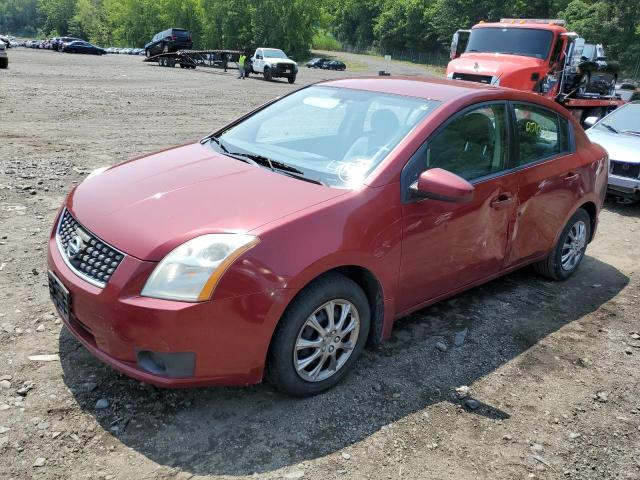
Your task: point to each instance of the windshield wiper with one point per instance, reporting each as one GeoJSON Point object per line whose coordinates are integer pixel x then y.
{"type": "Point", "coordinates": [610, 128]}
{"type": "Point", "coordinates": [631, 132]}
{"type": "Point", "coordinates": [274, 165]}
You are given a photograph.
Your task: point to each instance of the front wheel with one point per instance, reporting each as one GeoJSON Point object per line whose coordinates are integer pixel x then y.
{"type": "Point", "coordinates": [267, 74]}
{"type": "Point", "coordinates": [292, 79]}
{"type": "Point", "coordinates": [583, 83]}
{"type": "Point", "coordinates": [319, 337]}
{"type": "Point", "coordinates": [569, 251]}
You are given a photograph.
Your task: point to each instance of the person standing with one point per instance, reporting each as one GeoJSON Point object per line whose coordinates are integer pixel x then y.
{"type": "Point", "coordinates": [241, 61]}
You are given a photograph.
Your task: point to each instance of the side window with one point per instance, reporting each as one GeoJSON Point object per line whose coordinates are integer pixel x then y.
{"type": "Point", "coordinates": [472, 145]}
{"type": "Point", "coordinates": [540, 133]}
{"type": "Point", "coordinates": [557, 51]}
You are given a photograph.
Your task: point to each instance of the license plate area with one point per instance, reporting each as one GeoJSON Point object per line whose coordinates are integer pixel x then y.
{"type": "Point", "coordinates": [59, 296]}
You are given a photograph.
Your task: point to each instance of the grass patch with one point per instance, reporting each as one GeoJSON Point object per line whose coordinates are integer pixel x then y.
{"type": "Point", "coordinates": [326, 41]}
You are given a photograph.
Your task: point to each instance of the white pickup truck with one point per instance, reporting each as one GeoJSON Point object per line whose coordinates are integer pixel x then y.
{"type": "Point", "coordinates": [273, 63]}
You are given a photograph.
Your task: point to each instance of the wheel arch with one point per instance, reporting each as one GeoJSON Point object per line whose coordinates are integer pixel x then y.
{"type": "Point", "coordinates": [372, 288]}
{"type": "Point", "coordinates": [592, 210]}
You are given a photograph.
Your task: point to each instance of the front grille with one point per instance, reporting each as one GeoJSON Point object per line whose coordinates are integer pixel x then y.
{"type": "Point", "coordinates": [87, 255]}
{"type": "Point", "coordinates": [469, 77]}
{"type": "Point", "coordinates": [284, 67]}
{"type": "Point", "coordinates": [623, 169]}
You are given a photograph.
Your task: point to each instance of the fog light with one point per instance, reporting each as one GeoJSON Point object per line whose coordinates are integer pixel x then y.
{"type": "Point", "coordinates": [174, 365]}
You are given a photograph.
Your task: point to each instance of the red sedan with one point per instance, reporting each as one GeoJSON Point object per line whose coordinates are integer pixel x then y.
{"type": "Point", "coordinates": [284, 243]}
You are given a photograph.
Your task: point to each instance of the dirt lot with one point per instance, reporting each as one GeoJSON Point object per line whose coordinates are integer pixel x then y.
{"type": "Point", "coordinates": [554, 367]}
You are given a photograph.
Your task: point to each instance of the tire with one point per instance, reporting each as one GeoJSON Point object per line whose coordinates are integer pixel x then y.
{"type": "Point", "coordinates": [4, 62]}
{"type": "Point", "coordinates": [583, 83]}
{"type": "Point", "coordinates": [161, 61]}
{"type": "Point", "coordinates": [611, 91]}
{"type": "Point", "coordinates": [267, 74]}
{"type": "Point", "coordinates": [292, 79]}
{"type": "Point", "coordinates": [317, 375]}
{"type": "Point", "coordinates": [553, 266]}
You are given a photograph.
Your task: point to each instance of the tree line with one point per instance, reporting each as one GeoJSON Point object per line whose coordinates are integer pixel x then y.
{"type": "Point", "coordinates": [385, 25]}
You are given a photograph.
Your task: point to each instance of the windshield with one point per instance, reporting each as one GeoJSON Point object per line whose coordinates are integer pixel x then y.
{"type": "Point", "coordinates": [335, 136]}
{"type": "Point", "coordinates": [273, 53]}
{"type": "Point", "coordinates": [625, 119]}
{"type": "Point", "coordinates": [528, 42]}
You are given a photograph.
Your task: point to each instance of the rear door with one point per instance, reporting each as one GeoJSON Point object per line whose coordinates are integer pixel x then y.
{"type": "Point", "coordinates": [448, 245]}
{"type": "Point", "coordinates": [551, 177]}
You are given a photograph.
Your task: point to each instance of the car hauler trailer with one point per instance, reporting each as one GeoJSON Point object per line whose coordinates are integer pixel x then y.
{"type": "Point", "coordinates": [535, 55]}
{"type": "Point", "coordinates": [196, 58]}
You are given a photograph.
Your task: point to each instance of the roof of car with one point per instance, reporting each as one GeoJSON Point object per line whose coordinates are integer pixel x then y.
{"type": "Point", "coordinates": [427, 88]}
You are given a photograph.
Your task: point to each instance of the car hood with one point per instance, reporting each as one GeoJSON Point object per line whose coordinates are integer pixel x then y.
{"type": "Point", "coordinates": [492, 64]}
{"type": "Point", "coordinates": [148, 206]}
{"type": "Point", "coordinates": [286, 61]}
{"type": "Point", "coordinates": [621, 147]}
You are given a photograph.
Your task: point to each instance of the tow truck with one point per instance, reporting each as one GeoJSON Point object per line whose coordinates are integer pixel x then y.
{"type": "Point", "coordinates": [534, 55]}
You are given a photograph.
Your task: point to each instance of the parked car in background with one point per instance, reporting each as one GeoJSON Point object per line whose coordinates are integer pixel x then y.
{"type": "Point", "coordinates": [335, 65]}
{"type": "Point", "coordinates": [619, 134]}
{"type": "Point", "coordinates": [170, 40]}
{"type": "Point", "coordinates": [83, 47]}
{"type": "Point", "coordinates": [274, 63]}
{"type": "Point", "coordinates": [591, 72]}
{"type": "Point", "coordinates": [317, 62]}
{"type": "Point", "coordinates": [58, 42]}
{"type": "Point", "coordinates": [387, 195]}
{"type": "Point", "coordinates": [6, 41]}
{"type": "Point", "coordinates": [4, 58]}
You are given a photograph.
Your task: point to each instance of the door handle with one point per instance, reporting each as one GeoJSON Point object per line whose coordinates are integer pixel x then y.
{"type": "Point", "coordinates": [502, 200]}
{"type": "Point", "coordinates": [571, 177]}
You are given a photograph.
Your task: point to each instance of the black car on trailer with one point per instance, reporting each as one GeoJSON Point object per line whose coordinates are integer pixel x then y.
{"type": "Point", "coordinates": [168, 41]}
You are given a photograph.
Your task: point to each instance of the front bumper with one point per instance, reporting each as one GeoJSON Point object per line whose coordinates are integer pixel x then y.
{"type": "Point", "coordinates": [624, 186]}
{"type": "Point", "coordinates": [227, 338]}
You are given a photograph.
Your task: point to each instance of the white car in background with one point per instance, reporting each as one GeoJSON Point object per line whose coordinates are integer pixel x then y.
{"type": "Point", "coordinates": [4, 59]}
{"type": "Point", "coordinates": [274, 63]}
{"type": "Point", "coordinates": [619, 134]}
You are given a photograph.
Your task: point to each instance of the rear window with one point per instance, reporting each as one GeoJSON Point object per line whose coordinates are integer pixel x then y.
{"type": "Point", "coordinates": [181, 33]}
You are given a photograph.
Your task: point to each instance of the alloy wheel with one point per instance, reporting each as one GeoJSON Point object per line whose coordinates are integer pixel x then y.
{"type": "Point", "coordinates": [326, 340]}
{"type": "Point", "coordinates": [573, 247]}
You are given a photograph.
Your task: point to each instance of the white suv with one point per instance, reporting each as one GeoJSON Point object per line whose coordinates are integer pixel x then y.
{"type": "Point", "coordinates": [274, 63]}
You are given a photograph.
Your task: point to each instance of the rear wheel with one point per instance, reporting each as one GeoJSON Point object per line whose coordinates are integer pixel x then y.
{"type": "Point", "coordinates": [569, 251]}
{"type": "Point", "coordinates": [319, 337]}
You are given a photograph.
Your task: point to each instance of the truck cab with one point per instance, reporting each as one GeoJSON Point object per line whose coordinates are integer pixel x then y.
{"type": "Point", "coordinates": [521, 54]}
{"type": "Point", "coordinates": [274, 63]}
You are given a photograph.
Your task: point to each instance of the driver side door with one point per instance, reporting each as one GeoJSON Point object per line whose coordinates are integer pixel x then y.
{"type": "Point", "coordinates": [447, 246]}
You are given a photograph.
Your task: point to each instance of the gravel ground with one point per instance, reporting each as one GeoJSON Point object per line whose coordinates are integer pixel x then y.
{"type": "Point", "coordinates": [520, 378]}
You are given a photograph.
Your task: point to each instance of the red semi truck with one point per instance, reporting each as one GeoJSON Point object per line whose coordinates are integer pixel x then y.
{"type": "Point", "coordinates": [534, 55]}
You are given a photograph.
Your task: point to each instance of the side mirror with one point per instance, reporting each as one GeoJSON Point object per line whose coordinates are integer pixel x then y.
{"type": "Point", "coordinates": [259, 57]}
{"type": "Point", "coordinates": [439, 184]}
{"type": "Point", "coordinates": [590, 121]}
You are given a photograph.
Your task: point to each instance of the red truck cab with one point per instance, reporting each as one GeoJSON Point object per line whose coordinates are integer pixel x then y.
{"type": "Point", "coordinates": [521, 54]}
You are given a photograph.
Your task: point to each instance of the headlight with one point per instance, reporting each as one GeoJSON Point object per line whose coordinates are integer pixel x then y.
{"type": "Point", "coordinates": [495, 81]}
{"type": "Point", "coordinates": [191, 271]}
{"type": "Point", "coordinates": [450, 75]}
